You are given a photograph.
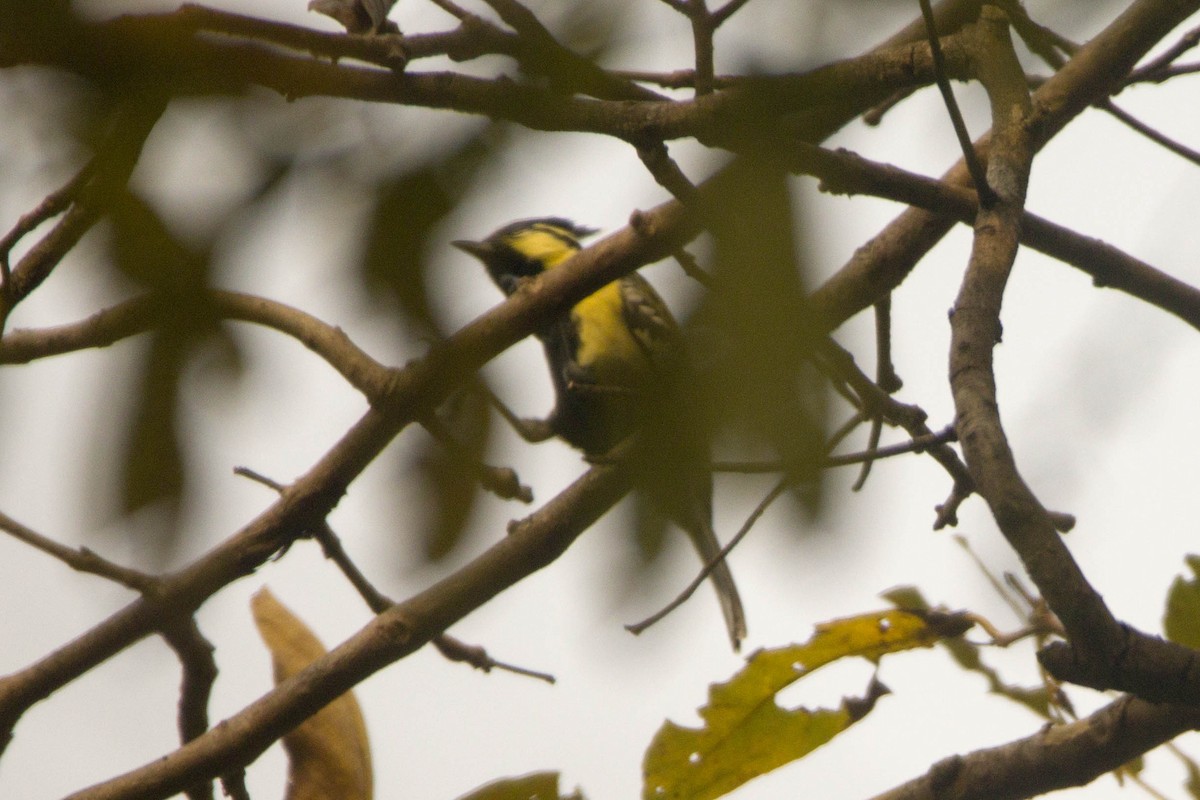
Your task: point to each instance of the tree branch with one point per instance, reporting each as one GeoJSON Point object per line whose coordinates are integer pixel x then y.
{"type": "Point", "coordinates": [1056, 757]}
{"type": "Point", "coordinates": [401, 630]}
{"type": "Point", "coordinates": [1094, 72]}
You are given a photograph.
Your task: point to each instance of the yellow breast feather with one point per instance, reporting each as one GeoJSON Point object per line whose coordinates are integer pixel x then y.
{"type": "Point", "coordinates": [606, 346]}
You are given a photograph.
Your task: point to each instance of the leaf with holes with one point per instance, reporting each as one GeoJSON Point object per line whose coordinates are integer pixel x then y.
{"type": "Point", "coordinates": [747, 734]}
{"type": "Point", "coordinates": [535, 786]}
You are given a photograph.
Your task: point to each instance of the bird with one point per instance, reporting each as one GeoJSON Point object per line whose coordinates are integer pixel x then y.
{"type": "Point", "coordinates": [612, 352]}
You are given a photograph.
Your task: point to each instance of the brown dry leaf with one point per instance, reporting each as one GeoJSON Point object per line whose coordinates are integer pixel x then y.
{"type": "Point", "coordinates": [329, 755]}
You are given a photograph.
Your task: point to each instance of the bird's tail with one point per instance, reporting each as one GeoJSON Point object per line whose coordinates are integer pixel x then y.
{"type": "Point", "coordinates": [709, 548]}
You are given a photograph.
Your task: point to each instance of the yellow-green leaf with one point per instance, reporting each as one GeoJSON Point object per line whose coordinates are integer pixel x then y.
{"type": "Point", "coordinates": [534, 786]}
{"type": "Point", "coordinates": [329, 755]}
{"type": "Point", "coordinates": [747, 734]}
{"type": "Point", "coordinates": [1181, 622]}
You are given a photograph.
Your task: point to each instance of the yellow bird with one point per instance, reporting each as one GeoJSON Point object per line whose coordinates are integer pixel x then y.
{"type": "Point", "coordinates": [613, 349]}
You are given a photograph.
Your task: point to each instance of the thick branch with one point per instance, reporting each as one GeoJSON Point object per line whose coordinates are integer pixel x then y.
{"type": "Point", "coordinates": [1102, 652]}
{"type": "Point", "coordinates": [190, 63]}
{"type": "Point", "coordinates": [1056, 757]}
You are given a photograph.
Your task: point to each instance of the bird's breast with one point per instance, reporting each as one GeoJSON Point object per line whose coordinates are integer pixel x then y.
{"type": "Point", "coordinates": [607, 349]}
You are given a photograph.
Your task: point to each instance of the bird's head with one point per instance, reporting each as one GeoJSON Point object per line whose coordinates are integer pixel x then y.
{"type": "Point", "coordinates": [526, 248]}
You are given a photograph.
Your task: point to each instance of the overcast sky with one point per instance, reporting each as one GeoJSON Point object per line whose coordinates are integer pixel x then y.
{"type": "Point", "coordinates": [1097, 393]}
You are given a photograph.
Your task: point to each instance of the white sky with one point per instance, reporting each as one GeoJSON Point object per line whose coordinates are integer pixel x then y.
{"type": "Point", "coordinates": [1097, 394]}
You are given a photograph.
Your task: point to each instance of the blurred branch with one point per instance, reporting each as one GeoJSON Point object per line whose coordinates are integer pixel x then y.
{"type": "Point", "coordinates": [473, 38]}
{"type": "Point", "coordinates": [187, 62]}
{"type": "Point", "coordinates": [386, 50]}
{"type": "Point", "coordinates": [539, 53]}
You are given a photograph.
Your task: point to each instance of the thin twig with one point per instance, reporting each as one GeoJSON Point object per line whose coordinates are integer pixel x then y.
{"type": "Point", "coordinates": [81, 560]}
{"type": "Point", "coordinates": [456, 650]}
{"type": "Point", "coordinates": [1181, 150]}
{"type": "Point", "coordinates": [864, 471]}
{"type": "Point", "coordinates": [1156, 68]}
{"type": "Point", "coordinates": [52, 204]}
{"type": "Point", "coordinates": [986, 196]}
{"type": "Point", "coordinates": [885, 378]}
{"type": "Point", "coordinates": [703, 28]}
{"type": "Point", "coordinates": [918, 444]}
{"type": "Point", "coordinates": [771, 496]}
{"type": "Point", "coordinates": [448, 646]}
{"type": "Point", "coordinates": [657, 159]}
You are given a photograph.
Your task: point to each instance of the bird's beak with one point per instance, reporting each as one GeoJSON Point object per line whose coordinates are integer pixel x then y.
{"type": "Point", "coordinates": [478, 249]}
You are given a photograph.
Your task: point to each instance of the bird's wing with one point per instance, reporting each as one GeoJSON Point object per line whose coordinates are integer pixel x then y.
{"type": "Point", "coordinates": [649, 319]}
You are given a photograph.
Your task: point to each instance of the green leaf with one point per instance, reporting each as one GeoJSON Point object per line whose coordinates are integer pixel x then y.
{"type": "Point", "coordinates": [534, 786]}
{"type": "Point", "coordinates": [747, 734]}
{"type": "Point", "coordinates": [1181, 622]}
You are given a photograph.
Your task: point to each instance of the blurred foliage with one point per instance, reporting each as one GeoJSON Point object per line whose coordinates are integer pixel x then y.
{"type": "Point", "coordinates": [329, 755]}
{"type": "Point", "coordinates": [448, 470]}
{"type": "Point", "coordinates": [1181, 621]}
{"type": "Point", "coordinates": [1193, 774]}
{"type": "Point", "coordinates": [761, 384]}
{"type": "Point", "coordinates": [748, 378]}
{"type": "Point", "coordinates": [408, 208]}
{"type": "Point", "coordinates": [534, 786]}
{"type": "Point", "coordinates": [746, 734]}
{"type": "Point", "coordinates": [176, 281]}
{"type": "Point", "coordinates": [589, 29]}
